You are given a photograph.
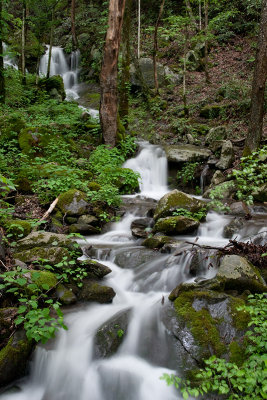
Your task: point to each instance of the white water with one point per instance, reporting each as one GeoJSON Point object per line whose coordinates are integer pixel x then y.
{"type": "Point", "coordinates": [9, 61]}
{"type": "Point", "coordinates": [68, 369]}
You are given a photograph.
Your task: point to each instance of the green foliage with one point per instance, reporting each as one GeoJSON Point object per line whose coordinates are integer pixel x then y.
{"type": "Point", "coordinates": [199, 215]}
{"type": "Point", "coordinates": [186, 174]}
{"type": "Point", "coordinates": [30, 288]}
{"type": "Point", "coordinates": [217, 194]}
{"type": "Point", "coordinates": [245, 381]}
{"type": "Point", "coordinates": [252, 174]}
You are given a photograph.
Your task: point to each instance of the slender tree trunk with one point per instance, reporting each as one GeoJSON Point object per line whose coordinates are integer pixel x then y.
{"type": "Point", "coordinates": [191, 15]}
{"type": "Point", "coordinates": [258, 87]}
{"type": "Point", "coordinates": [109, 73]}
{"type": "Point", "coordinates": [51, 40]}
{"type": "Point", "coordinates": [184, 72]}
{"type": "Point", "coordinates": [139, 29]}
{"type": "Point", "coordinates": [206, 9]}
{"type": "Point", "coordinates": [155, 50]}
{"type": "Point", "coordinates": [23, 40]}
{"type": "Point", "coordinates": [73, 29]}
{"type": "Point", "coordinates": [2, 76]}
{"type": "Point", "coordinates": [125, 68]}
{"type": "Point", "coordinates": [200, 14]}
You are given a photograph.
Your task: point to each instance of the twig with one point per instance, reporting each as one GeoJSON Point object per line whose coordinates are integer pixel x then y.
{"type": "Point", "coordinates": [4, 265]}
{"type": "Point", "coordinates": [48, 212]}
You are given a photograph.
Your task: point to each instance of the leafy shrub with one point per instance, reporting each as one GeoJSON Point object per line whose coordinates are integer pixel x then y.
{"type": "Point", "coordinates": [187, 173]}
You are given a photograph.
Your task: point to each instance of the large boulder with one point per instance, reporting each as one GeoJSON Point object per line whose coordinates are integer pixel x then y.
{"type": "Point", "coordinates": [132, 257]}
{"type": "Point", "coordinates": [176, 225]}
{"type": "Point", "coordinates": [146, 68]}
{"type": "Point", "coordinates": [237, 273]}
{"type": "Point", "coordinates": [73, 202]}
{"type": "Point", "coordinates": [227, 155]}
{"type": "Point", "coordinates": [53, 254]}
{"type": "Point", "coordinates": [186, 153]}
{"type": "Point", "coordinates": [13, 358]}
{"type": "Point", "coordinates": [84, 229]}
{"type": "Point", "coordinates": [94, 269]}
{"type": "Point", "coordinates": [44, 239]}
{"type": "Point", "coordinates": [92, 291]}
{"type": "Point", "coordinates": [110, 335]}
{"type": "Point", "coordinates": [215, 134]}
{"type": "Point", "coordinates": [174, 200]}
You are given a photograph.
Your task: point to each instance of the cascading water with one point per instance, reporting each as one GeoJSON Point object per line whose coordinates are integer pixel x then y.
{"type": "Point", "coordinates": [8, 60]}
{"type": "Point", "coordinates": [71, 368]}
{"type": "Point", "coordinates": [60, 65]}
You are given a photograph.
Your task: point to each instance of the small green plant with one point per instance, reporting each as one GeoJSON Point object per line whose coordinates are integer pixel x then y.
{"type": "Point", "coordinates": [120, 333]}
{"type": "Point", "coordinates": [187, 173]}
{"type": "Point", "coordinates": [246, 381]}
{"type": "Point", "coordinates": [199, 215]}
{"type": "Point", "coordinates": [218, 193]}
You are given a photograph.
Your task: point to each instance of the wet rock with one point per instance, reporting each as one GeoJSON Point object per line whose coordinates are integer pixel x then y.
{"type": "Point", "coordinates": [233, 227]}
{"type": "Point", "coordinates": [73, 203]}
{"type": "Point", "coordinates": [186, 153]}
{"type": "Point", "coordinates": [260, 194]}
{"type": "Point", "coordinates": [44, 239]}
{"type": "Point", "coordinates": [227, 155]}
{"type": "Point", "coordinates": [174, 200]}
{"type": "Point", "coordinates": [84, 229]}
{"type": "Point", "coordinates": [111, 334]}
{"type": "Point", "coordinates": [239, 274]}
{"type": "Point", "coordinates": [140, 227]}
{"type": "Point", "coordinates": [133, 257]}
{"type": "Point", "coordinates": [13, 358]}
{"type": "Point", "coordinates": [158, 241]}
{"type": "Point", "coordinates": [176, 225]}
{"type": "Point", "coordinates": [88, 219]}
{"type": "Point", "coordinates": [65, 296]}
{"type": "Point", "coordinates": [94, 269]}
{"type": "Point", "coordinates": [92, 291]}
{"type": "Point", "coordinates": [145, 206]}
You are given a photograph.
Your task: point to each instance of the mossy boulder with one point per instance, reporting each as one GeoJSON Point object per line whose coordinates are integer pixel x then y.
{"type": "Point", "coordinates": [88, 219]}
{"type": "Point", "coordinates": [227, 155]}
{"type": "Point", "coordinates": [260, 194]}
{"type": "Point", "coordinates": [73, 202]}
{"type": "Point", "coordinates": [44, 239]}
{"type": "Point", "coordinates": [17, 228]}
{"type": "Point", "coordinates": [54, 255]}
{"type": "Point", "coordinates": [141, 227]}
{"type": "Point", "coordinates": [33, 140]}
{"type": "Point", "coordinates": [156, 242]}
{"type": "Point", "coordinates": [237, 273]}
{"type": "Point", "coordinates": [65, 296]}
{"type": "Point", "coordinates": [110, 335]}
{"type": "Point", "coordinates": [46, 278]}
{"type": "Point", "coordinates": [94, 269]}
{"type": "Point", "coordinates": [217, 133]}
{"type": "Point", "coordinates": [175, 200]}
{"type": "Point", "coordinates": [92, 291]}
{"type": "Point", "coordinates": [176, 225]}
{"type": "Point", "coordinates": [186, 153]}
{"type": "Point", "coordinates": [14, 357]}
{"type": "Point", "coordinates": [84, 229]}
{"type": "Point", "coordinates": [54, 82]}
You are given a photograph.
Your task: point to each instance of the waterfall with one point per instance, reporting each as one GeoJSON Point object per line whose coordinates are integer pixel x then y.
{"type": "Point", "coordinates": [67, 67]}
{"type": "Point", "coordinates": [8, 60]}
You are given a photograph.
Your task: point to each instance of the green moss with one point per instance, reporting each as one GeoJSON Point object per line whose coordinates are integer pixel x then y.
{"type": "Point", "coordinates": [33, 140]}
{"type": "Point", "coordinates": [54, 254]}
{"type": "Point", "coordinates": [201, 324]}
{"type": "Point", "coordinates": [237, 353]}
{"type": "Point", "coordinates": [240, 318]}
{"type": "Point", "coordinates": [175, 225]}
{"type": "Point", "coordinates": [17, 227]}
{"type": "Point", "coordinates": [45, 278]}
{"type": "Point", "coordinates": [120, 130]}
{"type": "Point", "coordinates": [94, 186]}
{"type": "Point", "coordinates": [65, 199]}
{"type": "Point", "coordinates": [54, 82]}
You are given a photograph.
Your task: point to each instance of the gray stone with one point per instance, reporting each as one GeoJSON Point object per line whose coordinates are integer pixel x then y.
{"type": "Point", "coordinates": [260, 194]}
{"type": "Point", "coordinates": [217, 178]}
{"type": "Point", "coordinates": [227, 156]}
{"type": "Point", "coordinates": [133, 257]}
{"type": "Point", "coordinates": [175, 200]}
{"type": "Point", "coordinates": [186, 153]}
{"type": "Point", "coordinates": [65, 296]}
{"type": "Point", "coordinates": [233, 227]}
{"type": "Point", "coordinates": [92, 291]}
{"type": "Point", "coordinates": [140, 227]}
{"type": "Point", "coordinates": [88, 219]}
{"type": "Point", "coordinates": [239, 208]}
{"type": "Point", "coordinates": [53, 254]}
{"type": "Point", "coordinates": [44, 239]}
{"type": "Point", "coordinates": [94, 269]}
{"type": "Point", "coordinates": [215, 134]}
{"type": "Point", "coordinates": [111, 334]}
{"type": "Point", "coordinates": [239, 274]}
{"type": "Point", "coordinates": [84, 229]}
{"type": "Point", "coordinates": [176, 225]}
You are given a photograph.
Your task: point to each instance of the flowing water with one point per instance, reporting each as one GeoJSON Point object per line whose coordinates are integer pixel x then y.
{"type": "Point", "coordinates": [9, 61]}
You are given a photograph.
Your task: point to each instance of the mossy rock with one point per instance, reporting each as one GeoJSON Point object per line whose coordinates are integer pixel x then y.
{"type": "Point", "coordinates": [120, 131]}
{"type": "Point", "coordinates": [212, 111]}
{"type": "Point", "coordinates": [54, 82]}
{"type": "Point", "coordinates": [23, 184]}
{"type": "Point", "coordinates": [65, 296]}
{"type": "Point", "coordinates": [175, 200]}
{"type": "Point", "coordinates": [92, 291]}
{"type": "Point", "coordinates": [54, 255]}
{"type": "Point", "coordinates": [83, 229]}
{"type": "Point", "coordinates": [176, 225]}
{"type": "Point", "coordinates": [14, 357]}
{"type": "Point", "coordinates": [73, 202]}
{"type": "Point", "coordinates": [33, 140]}
{"type": "Point", "coordinates": [44, 239]}
{"type": "Point", "coordinates": [46, 278]}
{"type": "Point", "coordinates": [17, 228]}
{"type": "Point", "coordinates": [215, 134]}
{"type": "Point", "coordinates": [94, 269]}
{"type": "Point", "coordinates": [94, 186]}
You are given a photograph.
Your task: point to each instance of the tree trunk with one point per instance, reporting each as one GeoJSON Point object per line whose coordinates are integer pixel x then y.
{"type": "Point", "coordinates": [258, 87]}
{"type": "Point", "coordinates": [191, 15]}
{"type": "Point", "coordinates": [23, 40]}
{"type": "Point", "coordinates": [2, 77]}
{"type": "Point", "coordinates": [139, 29]}
{"type": "Point", "coordinates": [184, 72]}
{"type": "Point", "coordinates": [125, 67]}
{"type": "Point", "coordinates": [200, 15]}
{"type": "Point", "coordinates": [73, 29]}
{"type": "Point", "coordinates": [206, 10]}
{"type": "Point", "coordinates": [109, 73]}
{"type": "Point", "coordinates": [155, 50]}
{"type": "Point", "coordinates": [50, 43]}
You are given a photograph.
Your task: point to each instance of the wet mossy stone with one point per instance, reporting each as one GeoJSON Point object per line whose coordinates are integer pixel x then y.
{"type": "Point", "coordinates": [92, 291]}
{"type": "Point", "coordinates": [44, 239]}
{"type": "Point", "coordinates": [17, 228]}
{"type": "Point", "coordinates": [94, 269]}
{"type": "Point", "coordinates": [84, 229]}
{"type": "Point", "coordinates": [14, 357]}
{"type": "Point", "coordinates": [174, 200]}
{"type": "Point", "coordinates": [111, 334]}
{"type": "Point", "coordinates": [176, 225]}
{"type": "Point", "coordinates": [237, 273]}
{"type": "Point", "coordinates": [132, 257]}
{"type": "Point", "coordinates": [156, 242]}
{"type": "Point", "coordinates": [65, 296]}
{"type": "Point", "coordinates": [73, 202]}
{"type": "Point", "coordinates": [141, 227]}
{"type": "Point", "coordinates": [54, 255]}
